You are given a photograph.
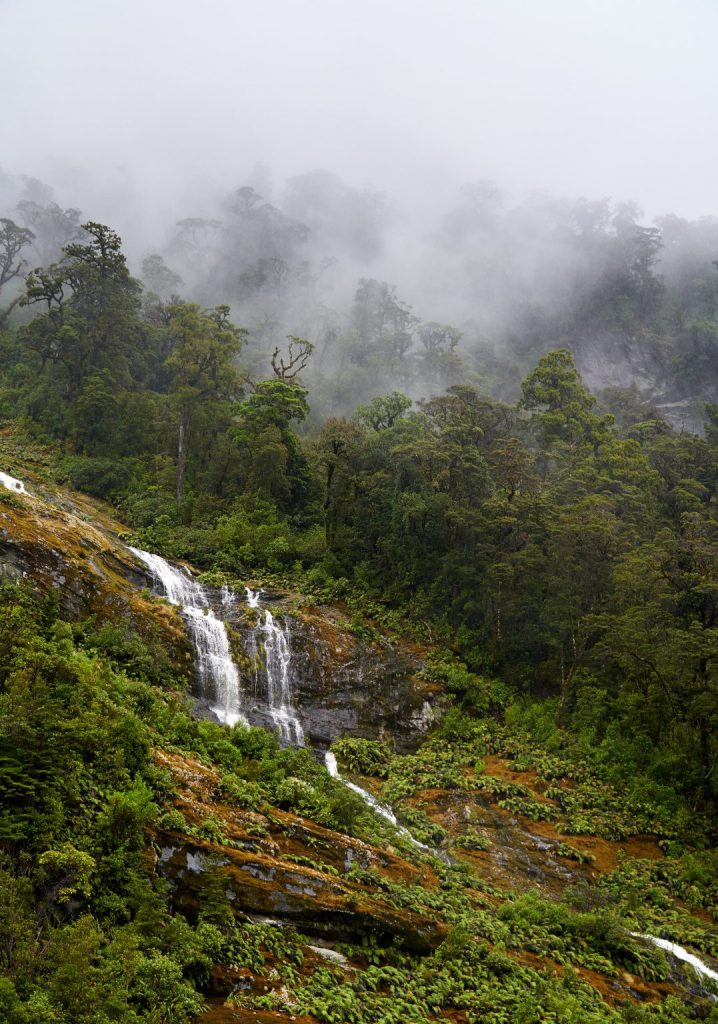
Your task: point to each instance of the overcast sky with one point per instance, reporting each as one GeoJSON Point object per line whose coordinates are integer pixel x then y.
{"type": "Point", "coordinates": [594, 97]}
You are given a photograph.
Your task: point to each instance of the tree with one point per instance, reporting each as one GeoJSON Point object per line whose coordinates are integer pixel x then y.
{"type": "Point", "coordinates": [275, 464]}
{"type": "Point", "coordinates": [90, 330]}
{"type": "Point", "coordinates": [385, 323]}
{"type": "Point", "coordinates": [339, 445]}
{"type": "Point", "coordinates": [298, 354]}
{"type": "Point", "coordinates": [565, 408]}
{"type": "Point", "coordinates": [159, 278]}
{"type": "Point", "coordinates": [52, 227]}
{"type": "Point", "coordinates": [244, 200]}
{"type": "Point", "coordinates": [13, 240]}
{"type": "Point", "coordinates": [204, 346]}
{"type": "Point", "coordinates": [383, 411]}
{"type": "Point", "coordinates": [437, 338]}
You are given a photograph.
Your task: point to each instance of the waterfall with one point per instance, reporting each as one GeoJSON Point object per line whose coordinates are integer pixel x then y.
{"type": "Point", "coordinates": [277, 662]}
{"type": "Point", "coordinates": [331, 764]}
{"type": "Point", "coordinates": [680, 954]}
{"type": "Point", "coordinates": [385, 812]}
{"type": "Point", "coordinates": [217, 672]}
{"type": "Point", "coordinates": [12, 483]}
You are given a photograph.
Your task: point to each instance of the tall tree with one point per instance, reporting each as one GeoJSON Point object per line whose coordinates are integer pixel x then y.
{"type": "Point", "coordinates": [13, 240]}
{"type": "Point", "coordinates": [205, 345]}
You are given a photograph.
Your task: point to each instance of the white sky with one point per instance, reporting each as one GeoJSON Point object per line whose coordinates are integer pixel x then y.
{"type": "Point", "coordinates": [594, 97]}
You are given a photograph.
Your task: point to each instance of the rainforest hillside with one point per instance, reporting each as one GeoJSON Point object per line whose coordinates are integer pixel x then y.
{"type": "Point", "coordinates": [501, 617]}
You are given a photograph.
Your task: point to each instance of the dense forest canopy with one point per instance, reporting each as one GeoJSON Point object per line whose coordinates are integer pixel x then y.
{"type": "Point", "coordinates": [477, 288]}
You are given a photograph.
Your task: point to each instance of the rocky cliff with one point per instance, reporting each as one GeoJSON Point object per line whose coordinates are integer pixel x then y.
{"type": "Point", "coordinates": [65, 543]}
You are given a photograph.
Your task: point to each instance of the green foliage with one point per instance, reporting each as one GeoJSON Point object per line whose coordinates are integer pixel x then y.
{"type": "Point", "coordinates": [383, 411]}
{"type": "Point", "coordinates": [566, 408]}
{"type": "Point", "coordinates": [559, 570]}
{"type": "Point", "coordinates": [101, 476]}
{"type": "Point", "coordinates": [365, 757]}
{"type": "Point", "coordinates": [78, 794]}
{"type": "Point", "coordinates": [241, 791]}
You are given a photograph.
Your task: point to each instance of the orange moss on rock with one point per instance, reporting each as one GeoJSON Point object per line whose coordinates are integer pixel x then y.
{"type": "Point", "coordinates": [280, 864]}
{"type": "Point", "coordinates": [68, 543]}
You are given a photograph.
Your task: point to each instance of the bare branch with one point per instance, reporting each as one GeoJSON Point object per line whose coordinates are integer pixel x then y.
{"type": "Point", "coordinates": [298, 355]}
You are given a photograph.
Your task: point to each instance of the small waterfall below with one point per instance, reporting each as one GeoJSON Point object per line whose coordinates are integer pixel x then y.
{"type": "Point", "coordinates": [701, 969]}
{"type": "Point", "coordinates": [217, 672]}
{"type": "Point", "coordinates": [12, 483]}
{"type": "Point", "coordinates": [276, 643]}
{"type": "Point", "coordinates": [330, 762]}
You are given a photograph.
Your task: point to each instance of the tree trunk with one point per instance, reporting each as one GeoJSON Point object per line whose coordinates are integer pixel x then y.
{"type": "Point", "coordinates": [5, 313]}
{"type": "Point", "coordinates": [181, 458]}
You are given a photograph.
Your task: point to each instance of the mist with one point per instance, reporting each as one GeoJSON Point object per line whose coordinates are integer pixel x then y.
{"type": "Point", "coordinates": [591, 98]}
{"type": "Point", "coordinates": [442, 150]}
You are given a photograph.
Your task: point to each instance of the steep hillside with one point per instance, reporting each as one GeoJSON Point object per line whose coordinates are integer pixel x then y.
{"type": "Point", "coordinates": [516, 884]}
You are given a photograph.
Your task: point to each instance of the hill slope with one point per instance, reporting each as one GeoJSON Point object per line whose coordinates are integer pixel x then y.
{"type": "Point", "coordinates": [155, 860]}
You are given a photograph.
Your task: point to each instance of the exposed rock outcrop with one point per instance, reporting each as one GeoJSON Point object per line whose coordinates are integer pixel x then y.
{"type": "Point", "coordinates": [284, 867]}
{"type": "Point", "coordinates": [343, 684]}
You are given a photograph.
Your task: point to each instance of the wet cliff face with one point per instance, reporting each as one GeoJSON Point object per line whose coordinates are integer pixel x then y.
{"type": "Point", "coordinates": [66, 544]}
{"type": "Point", "coordinates": [341, 684]}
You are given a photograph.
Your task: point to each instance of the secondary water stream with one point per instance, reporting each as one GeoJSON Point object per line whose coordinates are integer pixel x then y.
{"type": "Point", "coordinates": [276, 643]}
{"type": "Point", "coordinates": [385, 812]}
{"type": "Point", "coordinates": [217, 672]}
{"type": "Point", "coordinates": [12, 484]}
{"type": "Point", "coordinates": [701, 969]}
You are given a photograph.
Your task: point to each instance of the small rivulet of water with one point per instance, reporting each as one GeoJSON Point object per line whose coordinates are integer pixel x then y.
{"type": "Point", "coordinates": [12, 483]}
{"type": "Point", "coordinates": [218, 675]}
{"type": "Point", "coordinates": [701, 969]}
{"type": "Point", "coordinates": [382, 810]}
{"type": "Point", "coordinates": [276, 644]}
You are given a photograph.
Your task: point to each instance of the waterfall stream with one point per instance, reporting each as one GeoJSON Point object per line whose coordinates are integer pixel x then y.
{"type": "Point", "coordinates": [381, 809]}
{"type": "Point", "coordinates": [701, 969]}
{"type": "Point", "coordinates": [217, 672]}
{"type": "Point", "coordinates": [276, 642]}
{"type": "Point", "coordinates": [12, 483]}
{"type": "Point", "coordinates": [219, 676]}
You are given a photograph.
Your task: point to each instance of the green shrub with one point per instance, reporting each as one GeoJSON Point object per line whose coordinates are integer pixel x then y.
{"type": "Point", "coordinates": [241, 791]}
{"type": "Point", "coordinates": [365, 757]}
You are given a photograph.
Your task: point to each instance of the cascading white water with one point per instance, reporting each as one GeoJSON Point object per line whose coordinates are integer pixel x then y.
{"type": "Point", "coordinates": [680, 954]}
{"type": "Point", "coordinates": [330, 762]}
{"type": "Point", "coordinates": [12, 484]}
{"type": "Point", "coordinates": [277, 663]}
{"type": "Point", "coordinates": [217, 672]}
{"type": "Point", "coordinates": [332, 767]}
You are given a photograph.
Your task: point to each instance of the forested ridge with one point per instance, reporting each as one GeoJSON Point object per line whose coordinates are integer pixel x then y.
{"type": "Point", "coordinates": [555, 550]}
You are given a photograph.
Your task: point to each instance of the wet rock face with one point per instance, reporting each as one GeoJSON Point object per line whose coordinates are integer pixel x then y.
{"type": "Point", "coordinates": [341, 685]}
{"type": "Point", "coordinates": [357, 690]}
{"type": "Point", "coordinates": [283, 869]}
{"type": "Point", "coordinates": [72, 548]}
{"type": "Point", "coordinates": [255, 884]}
